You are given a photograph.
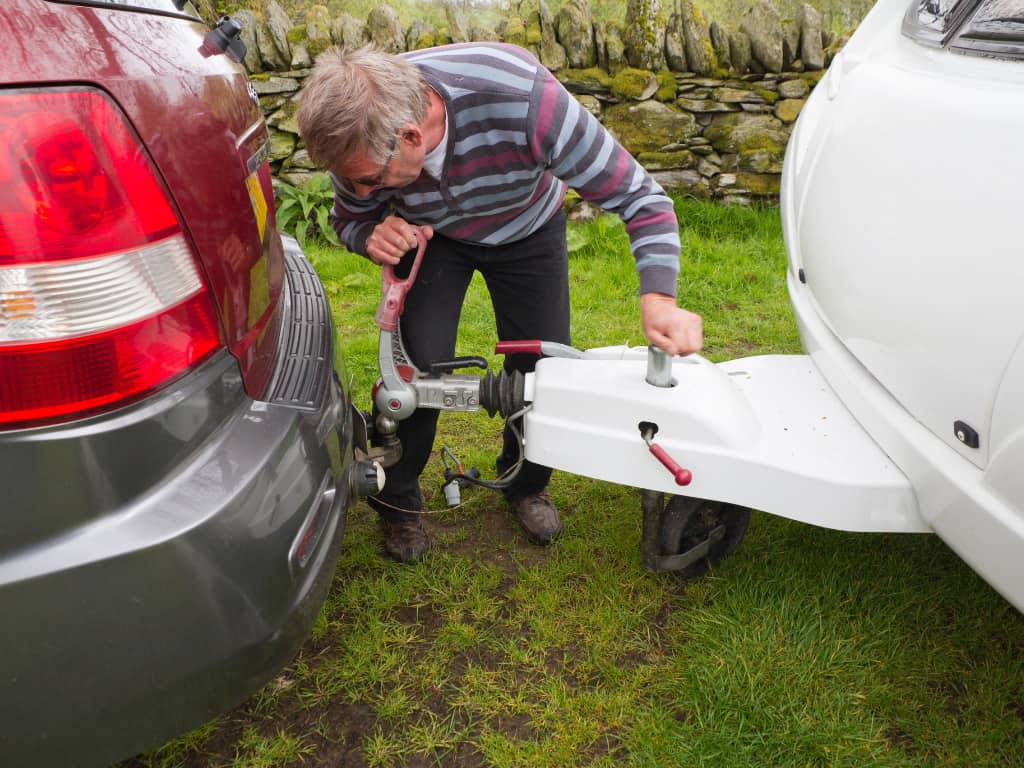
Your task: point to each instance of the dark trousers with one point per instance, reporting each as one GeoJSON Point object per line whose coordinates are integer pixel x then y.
{"type": "Point", "coordinates": [529, 286]}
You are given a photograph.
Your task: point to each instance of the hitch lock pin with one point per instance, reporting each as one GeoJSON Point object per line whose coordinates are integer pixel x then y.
{"type": "Point", "coordinates": [681, 475]}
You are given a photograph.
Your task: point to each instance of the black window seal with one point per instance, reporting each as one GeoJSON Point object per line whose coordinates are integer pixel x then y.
{"type": "Point", "coordinates": [108, 5]}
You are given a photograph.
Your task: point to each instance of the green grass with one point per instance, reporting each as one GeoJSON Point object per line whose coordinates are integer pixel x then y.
{"type": "Point", "coordinates": [807, 647]}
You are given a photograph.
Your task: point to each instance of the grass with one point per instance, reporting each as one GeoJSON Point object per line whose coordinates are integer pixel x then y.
{"type": "Point", "coordinates": [808, 647]}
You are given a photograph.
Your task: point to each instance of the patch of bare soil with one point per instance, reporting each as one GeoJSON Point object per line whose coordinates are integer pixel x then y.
{"type": "Point", "coordinates": [488, 530]}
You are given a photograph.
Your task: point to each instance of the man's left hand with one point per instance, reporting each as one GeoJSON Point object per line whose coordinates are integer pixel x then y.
{"type": "Point", "coordinates": [670, 327]}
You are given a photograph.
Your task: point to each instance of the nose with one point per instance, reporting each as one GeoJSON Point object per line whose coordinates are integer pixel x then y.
{"type": "Point", "coordinates": [364, 189]}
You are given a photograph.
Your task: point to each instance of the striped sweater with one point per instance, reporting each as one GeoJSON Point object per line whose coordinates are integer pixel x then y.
{"type": "Point", "coordinates": [516, 140]}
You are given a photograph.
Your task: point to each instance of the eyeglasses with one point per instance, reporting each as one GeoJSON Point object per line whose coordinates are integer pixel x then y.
{"type": "Point", "coordinates": [378, 180]}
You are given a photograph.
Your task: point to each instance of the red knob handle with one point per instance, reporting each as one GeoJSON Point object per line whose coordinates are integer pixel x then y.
{"type": "Point", "coordinates": [523, 347]}
{"type": "Point", "coordinates": [679, 474]}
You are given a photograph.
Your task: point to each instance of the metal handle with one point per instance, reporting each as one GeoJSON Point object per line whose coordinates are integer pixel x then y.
{"type": "Point", "coordinates": [659, 367]}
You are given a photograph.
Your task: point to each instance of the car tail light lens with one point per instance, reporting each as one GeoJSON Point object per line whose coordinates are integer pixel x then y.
{"type": "Point", "coordinates": [101, 300]}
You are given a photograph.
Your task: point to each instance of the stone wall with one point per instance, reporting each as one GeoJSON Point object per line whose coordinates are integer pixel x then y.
{"type": "Point", "coordinates": [705, 108]}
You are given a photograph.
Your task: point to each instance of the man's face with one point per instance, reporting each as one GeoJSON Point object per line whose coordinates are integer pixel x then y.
{"type": "Point", "coordinates": [400, 168]}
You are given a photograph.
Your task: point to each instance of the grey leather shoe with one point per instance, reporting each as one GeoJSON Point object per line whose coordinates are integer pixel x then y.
{"type": "Point", "coordinates": [538, 517]}
{"type": "Point", "coordinates": [406, 540]}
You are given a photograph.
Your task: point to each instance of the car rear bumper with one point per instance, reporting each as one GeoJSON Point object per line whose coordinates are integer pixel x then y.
{"type": "Point", "coordinates": [183, 596]}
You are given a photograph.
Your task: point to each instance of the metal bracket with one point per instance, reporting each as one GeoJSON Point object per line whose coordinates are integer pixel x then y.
{"type": "Point", "coordinates": [689, 557]}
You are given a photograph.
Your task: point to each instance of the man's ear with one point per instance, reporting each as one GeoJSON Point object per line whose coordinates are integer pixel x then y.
{"type": "Point", "coordinates": [411, 134]}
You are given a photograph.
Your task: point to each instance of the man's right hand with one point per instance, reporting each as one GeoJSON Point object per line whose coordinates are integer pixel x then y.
{"type": "Point", "coordinates": [392, 239]}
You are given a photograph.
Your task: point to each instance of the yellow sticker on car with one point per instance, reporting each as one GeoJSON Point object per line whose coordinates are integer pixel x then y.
{"type": "Point", "coordinates": [259, 202]}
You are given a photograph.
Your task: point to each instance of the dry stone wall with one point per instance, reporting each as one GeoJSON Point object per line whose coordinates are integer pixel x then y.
{"type": "Point", "coordinates": [706, 108]}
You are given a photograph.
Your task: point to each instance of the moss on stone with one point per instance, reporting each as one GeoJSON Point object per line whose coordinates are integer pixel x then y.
{"type": "Point", "coordinates": [631, 83]}
{"type": "Point", "coordinates": [667, 86]}
{"type": "Point", "coordinates": [812, 77]}
{"type": "Point", "coordinates": [592, 77]}
{"type": "Point", "coordinates": [647, 126]}
{"type": "Point", "coordinates": [425, 40]}
{"type": "Point", "coordinates": [747, 133]}
{"type": "Point", "coordinates": [533, 33]}
{"type": "Point", "coordinates": [719, 133]}
{"type": "Point", "coordinates": [316, 47]}
{"type": "Point", "coordinates": [702, 24]}
{"type": "Point", "coordinates": [665, 161]}
{"type": "Point", "coordinates": [763, 161]}
{"type": "Point", "coordinates": [515, 32]}
{"type": "Point", "coordinates": [770, 97]}
{"type": "Point", "coordinates": [284, 119]}
{"type": "Point", "coordinates": [281, 145]}
{"type": "Point", "coordinates": [754, 142]}
{"type": "Point", "coordinates": [297, 35]}
{"type": "Point", "coordinates": [442, 36]}
{"type": "Point", "coordinates": [647, 22]}
{"type": "Point", "coordinates": [788, 110]}
{"type": "Point", "coordinates": [759, 184]}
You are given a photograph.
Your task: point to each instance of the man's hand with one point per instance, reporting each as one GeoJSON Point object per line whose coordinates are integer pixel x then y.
{"type": "Point", "coordinates": [392, 239]}
{"type": "Point", "coordinates": [670, 327]}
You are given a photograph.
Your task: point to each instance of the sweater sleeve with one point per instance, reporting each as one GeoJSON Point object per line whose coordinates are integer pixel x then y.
{"type": "Point", "coordinates": [354, 218]}
{"type": "Point", "coordinates": [579, 150]}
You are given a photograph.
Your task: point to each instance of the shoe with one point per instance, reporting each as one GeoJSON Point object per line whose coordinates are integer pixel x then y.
{"type": "Point", "coordinates": [538, 517]}
{"type": "Point", "coordinates": [405, 540]}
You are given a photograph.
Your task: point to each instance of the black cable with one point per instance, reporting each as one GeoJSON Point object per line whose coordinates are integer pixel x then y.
{"type": "Point", "coordinates": [506, 479]}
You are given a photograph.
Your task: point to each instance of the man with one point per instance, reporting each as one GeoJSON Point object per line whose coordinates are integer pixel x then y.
{"type": "Point", "coordinates": [475, 144]}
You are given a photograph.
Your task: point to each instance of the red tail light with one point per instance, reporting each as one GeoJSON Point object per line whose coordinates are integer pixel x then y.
{"type": "Point", "coordinates": [100, 297]}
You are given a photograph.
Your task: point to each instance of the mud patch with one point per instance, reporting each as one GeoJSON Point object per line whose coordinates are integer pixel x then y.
{"type": "Point", "coordinates": [897, 738]}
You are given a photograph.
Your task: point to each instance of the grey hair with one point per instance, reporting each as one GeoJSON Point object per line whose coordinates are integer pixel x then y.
{"type": "Point", "coordinates": [359, 100]}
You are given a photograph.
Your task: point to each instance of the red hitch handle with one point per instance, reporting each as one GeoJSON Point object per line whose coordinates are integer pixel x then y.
{"type": "Point", "coordinates": [679, 474]}
{"type": "Point", "coordinates": [394, 290]}
{"type": "Point", "coordinates": [523, 347]}
{"type": "Point", "coordinates": [538, 348]}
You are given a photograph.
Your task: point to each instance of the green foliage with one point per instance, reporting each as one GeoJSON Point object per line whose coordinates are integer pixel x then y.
{"type": "Point", "coordinates": [305, 211]}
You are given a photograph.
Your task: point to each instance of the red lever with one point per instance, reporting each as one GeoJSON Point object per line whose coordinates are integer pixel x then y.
{"type": "Point", "coordinates": [679, 474]}
{"type": "Point", "coordinates": [525, 347]}
{"type": "Point", "coordinates": [394, 290]}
